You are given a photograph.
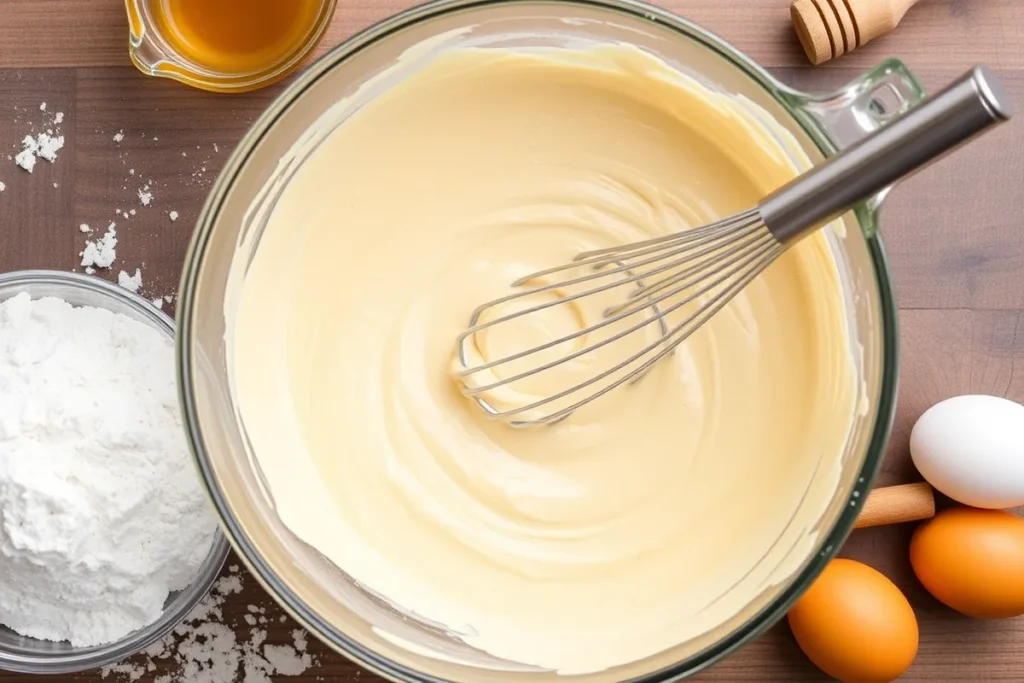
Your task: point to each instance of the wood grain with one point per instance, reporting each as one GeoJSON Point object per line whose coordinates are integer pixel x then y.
{"type": "Point", "coordinates": [42, 208]}
{"type": "Point", "coordinates": [954, 235]}
{"type": "Point", "coordinates": [937, 32]}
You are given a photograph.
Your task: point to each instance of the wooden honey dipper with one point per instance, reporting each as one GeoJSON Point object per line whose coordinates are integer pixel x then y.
{"type": "Point", "coordinates": [830, 28]}
{"type": "Point", "coordinates": [896, 504]}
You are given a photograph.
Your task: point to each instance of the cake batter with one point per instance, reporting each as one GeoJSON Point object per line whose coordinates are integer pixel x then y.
{"type": "Point", "coordinates": [645, 520]}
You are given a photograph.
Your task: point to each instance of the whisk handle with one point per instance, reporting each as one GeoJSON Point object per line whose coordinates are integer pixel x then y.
{"type": "Point", "coordinates": [933, 128]}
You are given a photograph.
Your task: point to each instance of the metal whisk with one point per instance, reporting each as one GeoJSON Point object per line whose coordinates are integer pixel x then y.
{"type": "Point", "coordinates": [679, 281]}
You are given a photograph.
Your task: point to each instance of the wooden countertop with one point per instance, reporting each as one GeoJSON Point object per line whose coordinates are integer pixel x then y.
{"type": "Point", "coordinates": [954, 233]}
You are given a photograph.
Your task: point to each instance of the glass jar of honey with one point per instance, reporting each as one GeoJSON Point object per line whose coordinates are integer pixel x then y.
{"type": "Point", "coordinates": [225, 45]}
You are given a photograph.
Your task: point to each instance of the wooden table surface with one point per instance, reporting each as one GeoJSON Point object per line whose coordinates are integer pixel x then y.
{"type": "Point", "coordinates": [954, 233]}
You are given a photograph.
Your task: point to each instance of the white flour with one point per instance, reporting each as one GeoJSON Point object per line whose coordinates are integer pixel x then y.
{"type": "Point", "coordinates": [100, 252]}
{"type": "Point", "coordinates": [130, 282]}
{"type": "Point", "coordinates": [205, 648]}
{"type": "Point", "coordinates": [43, 146]}
{"type": "Point", "coordinates": [101, 512]}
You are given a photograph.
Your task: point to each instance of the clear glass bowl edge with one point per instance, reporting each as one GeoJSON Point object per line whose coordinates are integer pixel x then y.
{"type": "Point", "coordinates": [811, 111]}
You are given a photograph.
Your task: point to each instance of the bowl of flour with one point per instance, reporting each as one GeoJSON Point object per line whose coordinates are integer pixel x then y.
{"type": "Point", "coordinates": [107, 540]}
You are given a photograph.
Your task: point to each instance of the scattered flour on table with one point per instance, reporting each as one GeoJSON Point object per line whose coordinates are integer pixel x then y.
{"type": "Point", "coordinates": [130, 282]}
{"type": "Point", "coordinates": [101, 252]}
{"type": "Point", "coordinates": [43, 140]}
{"type": "Point", "coordinates": [26, 158]}
{"type": "Point", "coordinates": [204, 648]}
{"type": "Point", "coordinates": [103, 515]}
{"type": "Point", "coordinates": [44, 144]}
{"type": "Point", "coordinates": [47, 146]}
{"type": "Point", "coordinates": [130, 672]}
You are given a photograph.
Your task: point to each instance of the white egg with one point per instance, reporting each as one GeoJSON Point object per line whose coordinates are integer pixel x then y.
{"type": "Point", "coordinates": [971, 448]}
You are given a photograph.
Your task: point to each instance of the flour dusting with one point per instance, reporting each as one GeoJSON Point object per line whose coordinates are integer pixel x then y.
{"type": "Point", "coordinates": [133, 283]}
{"type": "Point", "coordinates": [100, 253]}
{"type": "Point", "coordinates": [205, 648]}
{"type": "Point", "coordinates": [44, 144]}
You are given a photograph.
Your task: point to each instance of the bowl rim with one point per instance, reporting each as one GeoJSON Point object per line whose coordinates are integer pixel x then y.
{"type": "Point", "coordinates": [82, 659]}
{"type": "Point", "coordinates": [828, 543]}
{"type": "Point", "coordinates": [160, 320]}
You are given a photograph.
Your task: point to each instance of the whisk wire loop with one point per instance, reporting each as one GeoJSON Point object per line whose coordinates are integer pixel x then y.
{"type": "Point", "coordinates": [726, 266]}
{"type": "Point", "coordinates": [670, 341]}
{"type": "Point", "coordinates": [611, 317]}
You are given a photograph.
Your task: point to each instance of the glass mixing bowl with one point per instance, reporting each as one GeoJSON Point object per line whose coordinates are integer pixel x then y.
{"type": "Point", "coordinates": [32, 655]}
{"type": "Point", "coordinates": [352, 620]}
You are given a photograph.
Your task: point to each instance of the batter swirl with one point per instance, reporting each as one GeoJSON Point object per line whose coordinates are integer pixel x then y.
{"type": "Point", "coordinates": [645, 520]}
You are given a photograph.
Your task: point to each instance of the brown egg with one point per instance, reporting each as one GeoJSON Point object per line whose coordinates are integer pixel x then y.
{"type": "Point", "coordinates": [973, 561]}
{"type": "Point", "coordinates": [855, 624]}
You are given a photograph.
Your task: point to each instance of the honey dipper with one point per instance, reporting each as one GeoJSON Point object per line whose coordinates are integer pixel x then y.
{"type": "Point", "coordinates": [897, 504]}
{"type": "Point", "coordinates": [830, 28]}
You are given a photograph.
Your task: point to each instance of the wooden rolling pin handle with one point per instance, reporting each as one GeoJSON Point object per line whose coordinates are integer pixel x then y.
{"type": "Point", "coordinates": [895, 504]}
{"type": "Point", "coordinates": [830, 28]}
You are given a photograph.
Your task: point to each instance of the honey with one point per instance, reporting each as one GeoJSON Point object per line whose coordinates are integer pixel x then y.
{"type": "Point", "coordinates": [235, 36]}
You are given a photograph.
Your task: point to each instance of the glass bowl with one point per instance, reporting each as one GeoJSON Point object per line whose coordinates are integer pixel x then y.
{"type": "Point", "coordinates": [354, 621]}
{"type": "Point", "coordinates": [31, 655]}
{"type": "Point", "coordinates": [154, 55]}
